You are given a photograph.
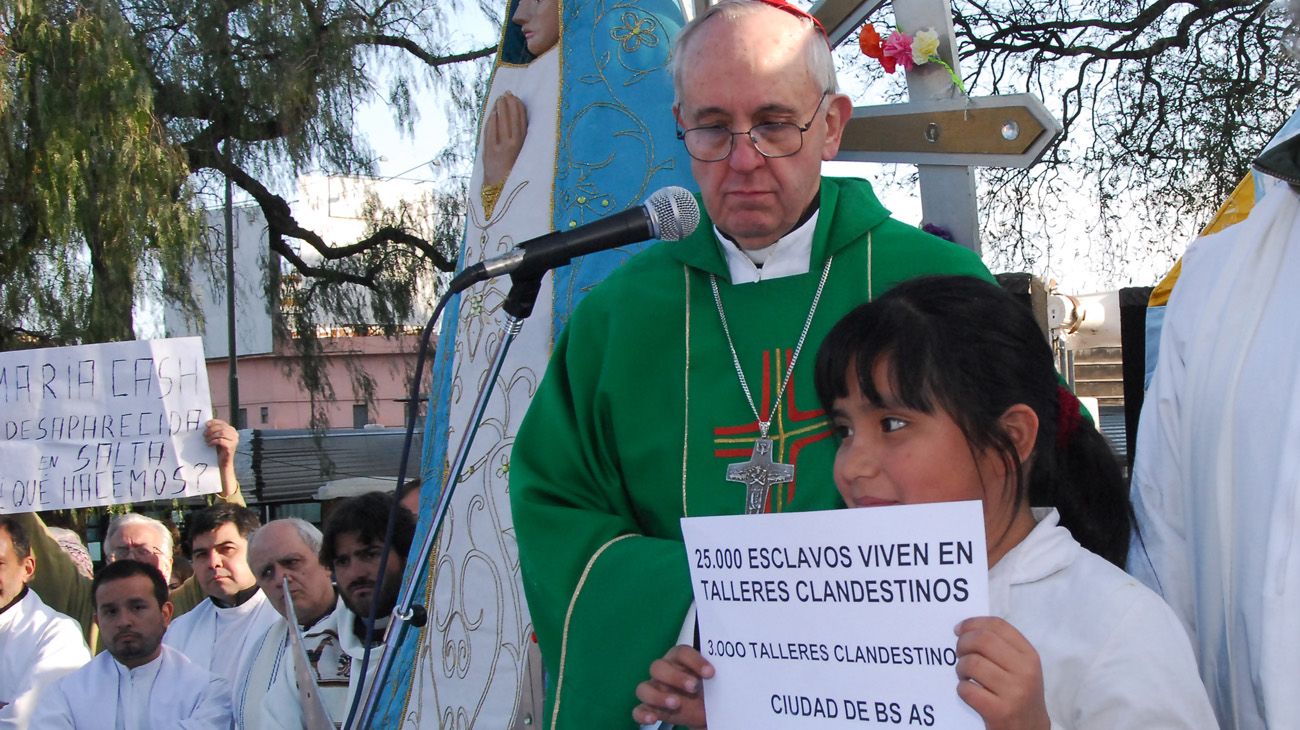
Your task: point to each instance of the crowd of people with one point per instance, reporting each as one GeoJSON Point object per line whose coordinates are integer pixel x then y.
{"type": "Point", "coordinates": [124, 650]}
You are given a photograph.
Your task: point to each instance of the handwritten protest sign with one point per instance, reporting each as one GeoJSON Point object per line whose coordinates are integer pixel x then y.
{"type": "Point", "coordinates": [837, 619]}
{"type": "Point", "coordinates": [104, 424]}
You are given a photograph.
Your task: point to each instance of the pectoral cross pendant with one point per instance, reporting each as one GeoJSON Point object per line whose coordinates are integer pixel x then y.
{"type": "Point", "coordinates": [759, 474]}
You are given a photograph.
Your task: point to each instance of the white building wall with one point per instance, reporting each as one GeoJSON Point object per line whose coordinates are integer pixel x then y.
{"type": "Point", "coordinates": [330, 205]}
{"type": "Point", "coordinates": [252, 309]}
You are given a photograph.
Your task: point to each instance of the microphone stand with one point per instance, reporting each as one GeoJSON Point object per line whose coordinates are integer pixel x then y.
{"type": "Point", "coordinates": [518, 305]}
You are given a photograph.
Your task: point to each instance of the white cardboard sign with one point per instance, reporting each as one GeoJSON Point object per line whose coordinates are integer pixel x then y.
{"type": "Point", "coordinates": [92, 425]}
{"type": "Point", "coordinates": [837, 619]}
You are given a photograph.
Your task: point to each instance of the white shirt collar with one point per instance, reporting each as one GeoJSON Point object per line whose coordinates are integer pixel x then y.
{"type": "Point", "coordinates": [1046, 550]}
{"type": "Point", "coordinates": [16, 610]}
{"type": "Point", "coordinates": [143, 672]}
{"type": "Point", "coordinates": [788, 256]}
{"type": "Point", "coordinates": [134, 691]}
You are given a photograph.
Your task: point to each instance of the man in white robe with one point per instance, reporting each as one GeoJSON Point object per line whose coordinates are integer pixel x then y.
{"type": "Point", "coordinates": [335, 650]}
{"type": "Point", "coordinates": [1217, 470]}
{"type": "Point", "coordinates": [221, 633]}
{"type": "Point", "coordinates": [351, 547]}
{"type": "Point", "coordinates": [137, 683]}
{"type": "Point", "coordinates": [38, 645]}
{"type": "Point", "coordinates": [289, 549]}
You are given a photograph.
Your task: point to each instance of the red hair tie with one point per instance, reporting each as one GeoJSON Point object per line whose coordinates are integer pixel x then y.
{"type": "Point", "coordinates": [796, 12]}
{"type": "Point", "coordinates": [1068, 416]}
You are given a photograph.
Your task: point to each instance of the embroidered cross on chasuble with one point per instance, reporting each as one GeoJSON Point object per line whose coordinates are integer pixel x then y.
{"type": "Point", "coordinates": [769, 471]}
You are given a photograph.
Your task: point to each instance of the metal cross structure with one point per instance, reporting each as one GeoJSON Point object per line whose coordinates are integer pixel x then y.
{"type": "Point", "coordinates": [941, 131]}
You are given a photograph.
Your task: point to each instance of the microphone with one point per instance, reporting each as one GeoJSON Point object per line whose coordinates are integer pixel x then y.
{"type": "Point", "coordinates": [670, 214]}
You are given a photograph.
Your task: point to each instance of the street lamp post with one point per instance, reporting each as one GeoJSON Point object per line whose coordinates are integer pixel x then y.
{"type": "Point", "coordinates": [231, 358]}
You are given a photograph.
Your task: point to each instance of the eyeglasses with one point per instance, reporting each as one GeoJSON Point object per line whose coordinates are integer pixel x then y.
{"type": "Point", "coordinates": [771, 139]}
{"type": "Point", "coordinates": [137, 552]}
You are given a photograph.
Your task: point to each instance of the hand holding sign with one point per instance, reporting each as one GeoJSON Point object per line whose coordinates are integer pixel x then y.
{"type": "Point", "coordinates": [1002, 677]}
{"type": "Point", "coordinates": [675, 691]}
{"type": "Point", "coordinates": [223, 437]}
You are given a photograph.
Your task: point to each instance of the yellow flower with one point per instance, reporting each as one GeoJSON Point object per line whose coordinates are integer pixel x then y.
{"type": "Point", "coordinates": [636, 32]}
{"type": "Point", "coordinates": [925, 46]}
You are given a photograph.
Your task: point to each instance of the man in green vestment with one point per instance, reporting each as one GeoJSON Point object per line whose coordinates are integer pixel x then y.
{"type": "Point", "coordinates": [677, 366]}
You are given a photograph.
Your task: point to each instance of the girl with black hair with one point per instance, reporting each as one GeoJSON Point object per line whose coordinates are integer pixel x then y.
{"type": "Point", "coordinates": [944, 389]}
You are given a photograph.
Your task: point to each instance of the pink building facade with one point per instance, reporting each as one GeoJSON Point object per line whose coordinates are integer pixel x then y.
{"type": "Point", "coordinates": [272, 395]}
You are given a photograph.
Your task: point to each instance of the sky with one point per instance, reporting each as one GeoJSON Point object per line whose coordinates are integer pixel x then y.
{"type": "Point", "coordinates": [1073, 265]}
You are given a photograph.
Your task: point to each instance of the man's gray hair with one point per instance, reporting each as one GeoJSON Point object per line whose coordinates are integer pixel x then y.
{"type": "Point", "coordinates": [310, 534]}
{"type": "Point", "coordinates": [134, 518]}
{"type": "Point", "coordinates": [821, 66]}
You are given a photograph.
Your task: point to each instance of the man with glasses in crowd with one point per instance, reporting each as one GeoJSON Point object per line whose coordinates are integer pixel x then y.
{"type": "Point", "coordinates": [693, 362]}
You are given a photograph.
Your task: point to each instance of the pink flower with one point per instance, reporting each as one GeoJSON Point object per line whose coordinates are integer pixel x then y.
{"type": "Point", "coordinates": [898, 47]}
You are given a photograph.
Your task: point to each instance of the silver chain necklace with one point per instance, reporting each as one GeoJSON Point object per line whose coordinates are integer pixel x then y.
{"type": "Point", "coordinates": [760, 473]}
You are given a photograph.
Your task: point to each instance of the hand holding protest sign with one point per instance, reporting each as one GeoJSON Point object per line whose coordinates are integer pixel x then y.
{"type": "Point", "coordinates": [93, 425]}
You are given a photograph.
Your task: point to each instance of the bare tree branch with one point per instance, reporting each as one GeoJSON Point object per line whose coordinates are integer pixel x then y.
{"type": "Point", "coordinates": [282, 223]}
{"type": "Point", "coordinates": [429, 59]}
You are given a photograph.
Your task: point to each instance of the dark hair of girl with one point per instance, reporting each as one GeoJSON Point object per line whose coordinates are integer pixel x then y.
{"type": "Point", "coordinates": [970, 349]}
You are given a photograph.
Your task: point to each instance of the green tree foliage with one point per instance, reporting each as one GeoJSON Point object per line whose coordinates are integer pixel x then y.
{"type": "Point", "coordinates": [118, 113]}
{"type": "Point", "coordinates": [261, 91]}
{"type": "Point", "coordinates": [93, 194]}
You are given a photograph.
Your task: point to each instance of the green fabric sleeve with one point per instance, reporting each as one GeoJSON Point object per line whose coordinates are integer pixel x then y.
{"type": "Point", "coordinates": [237, 498]}
{"type": "Point", "coordinates": [186, 596]}
{"type": "Point", "coordinates": [588, 572]}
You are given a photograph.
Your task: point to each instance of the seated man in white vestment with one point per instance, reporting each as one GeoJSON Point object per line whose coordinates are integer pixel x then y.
{"type": "Point", "coordinates": [351, 547]}
{"type": "Point", "coordinates": [37, 644]}
{"type": "Point", "coordinates": [221, 632]}
{"type": "Point", "coordinates": [289, 549]}
{"type": "Point", "coordinates": [136, 683]}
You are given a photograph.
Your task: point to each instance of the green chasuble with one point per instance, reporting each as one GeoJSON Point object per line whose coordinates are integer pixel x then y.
{"type": "Point", "coordinates": [641, 412]}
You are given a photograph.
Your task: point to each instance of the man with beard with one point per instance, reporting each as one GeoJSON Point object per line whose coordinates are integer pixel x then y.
{"type": "Point", "coordinates": [221, 632]}
{"type": "Point", "coordinates": [354, 539]}
{"type": "Point", "coordinates": [137, 683]}
{"type": "Point", "coordinates": [351, 548]}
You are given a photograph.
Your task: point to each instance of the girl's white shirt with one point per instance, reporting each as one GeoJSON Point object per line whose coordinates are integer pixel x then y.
{"type": "Point", "coordinates": [1114, 655]}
